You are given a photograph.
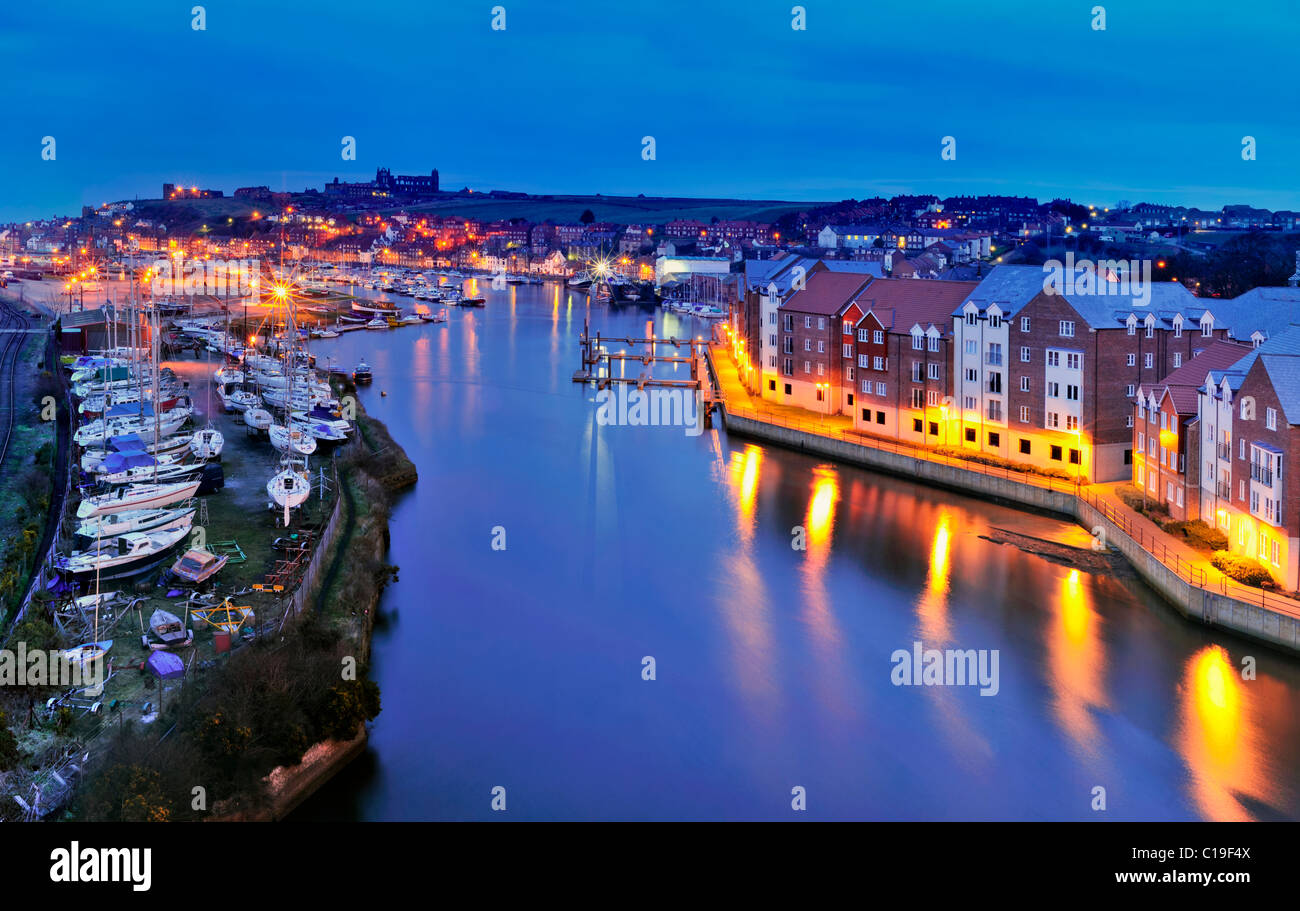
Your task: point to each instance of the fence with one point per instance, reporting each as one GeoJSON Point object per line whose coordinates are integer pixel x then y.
{"type": "Point", "coordinates": [309, 582]}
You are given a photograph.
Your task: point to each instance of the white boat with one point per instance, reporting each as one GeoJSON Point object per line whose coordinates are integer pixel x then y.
{"type": "Point", "coordinates": [289, 487]}
{"type": "Point", "coordinates": [239, 400]}
{"type": "Point", "coordinates": [165, 450]}
{"type": "Point", "coordinates": [148, 430]}
{"type": "Point", "coordinates": [136, 496]}
{"type": "Point", "coordinates": [327, 432]}
{"type": "Point", "coordinates": [258, 418]}
{"type": "Point", "coordinates": [154, 474]}
{"type": "Point", "coordinates": [292, 439]}
{"type": "Point", "coordinates": [125, 555]}
{"type": "Point", "coordinates": [207, 443]}
{"type": "Point", "coordinates": [136, 520]}
{"type": "Point", "coordinates": [377, 323]}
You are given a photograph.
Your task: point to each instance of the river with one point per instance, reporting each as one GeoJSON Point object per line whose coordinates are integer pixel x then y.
{"type": "Point", "coordinates": [522, 667]}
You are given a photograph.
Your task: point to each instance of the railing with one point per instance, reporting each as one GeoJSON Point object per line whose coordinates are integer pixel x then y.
{"type": "Point", "coordinates": [1261, 474]}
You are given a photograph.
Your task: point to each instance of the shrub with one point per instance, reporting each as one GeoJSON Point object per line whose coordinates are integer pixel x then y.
{"type": "Point", "coordinates": [1242, 569]}
{"type": "Point", "coordinates": [1198, 534]}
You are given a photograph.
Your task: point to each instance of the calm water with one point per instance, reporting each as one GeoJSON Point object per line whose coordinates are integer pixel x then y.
{"type": "Point", "coordinates": [522, 668]}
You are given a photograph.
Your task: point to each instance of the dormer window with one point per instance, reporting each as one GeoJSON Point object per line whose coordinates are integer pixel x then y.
{"type": "Point", "coordinates": [1178, 326]}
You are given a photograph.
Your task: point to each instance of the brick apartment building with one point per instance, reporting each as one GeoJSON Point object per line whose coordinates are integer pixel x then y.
{"type": "Point", "coordinates": [809, 331]}
{"type": "Point", "coordinates": [1049, 377]}
{"type": "Point", "coordinates": [1249, 417]}
{"type": "Point", "coordinates": [898, 376]}
{"type": "Point", "coordinates": [1167, 435]}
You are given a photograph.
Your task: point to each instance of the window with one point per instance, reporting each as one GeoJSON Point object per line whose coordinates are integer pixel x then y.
{"type": "Point", "coordinates": [787, 369]}
{"type": "Point", "coordinates": [995, 382]}
{"type": "Point", "coordinates": [807, 322]}
{"type": "Point", "coordinates": [916, 371]}
{"type": "Point", "coordinates": [771, 318]}
{"type": "Point", "coordinates": [878, 363]}
{"type": "Point", "coordinates": [1132, 360]}
{"type": "Point", "coordinates": [971, 318]}
{"type": "Point", "coordinates": [917, 426]}
{"type": "Point", "coordinates": [1056, 453]}
{"type": "Point", "coordinates": [820, 393]}
{"type": "Point", "coordinates": [1151, 329]}
{"type": "Point", "coordinates": [787, 388]}
{"type": "Point", "coordinates": [787, 345]}
{"type": "Point", "coordinates": [995, 322]}
{"type": "Point", "coordinates": [878, 336]}
{"type": "Point", "coordinates": [848, 349]}
{"type": "Point", "coordinates": [1128, 422]}
{"type": "Point", "coordinates": [932, 397]}
{"type": "Point", "coordinates": [1148, 361]}
{"type": "Point", "coordinates": [1074, 361]}
{"type": "Point", "coordinates": [916, 341]}
{"type": "Point", "coordinates": [1178, 359]}
{"type": "Point", "coordinates": [1178, 327]}
{"type": "Point", "coordinates": [995, 410]}
{"type": "Point", "coordinates": [771, 385]}
{"type": "Point", "coordinates": [1207, 327]}
{"type": "Point", "coordinates": [934, 428]}
{"type": "Point", "coordinates": [866, 387]}
{"type": "Point", "coordinates": [1071, 423]}
{"type": "Point", "coordinates": [933, 344]}
{"type": "Point", "coordinates": [995, 440]}
{"type": "Point", "coordinates": [771, 340]}
{"type": "Point", "coordinates": [1067, 328]}
{"type": "Point", "coordinates": [972, 346]}
{"type": "Point", "coordinates": [1130, 390]}
{"type": "Point", "coordinates": [864, 335]}
{"type": "Point", "coordinates": [1053, 358]}
{"type": "Point", "coordinates": [1132, 327]}
{"type": "Point", "coordinates": [880, 417]}
{"type": "Point", "coordinates": [821, 369]}
{"type": "Point", "coordinates": [1142, 440]}
{"type": "Point", "coordinates": [880, 389]}
{"type": "Point", "coordinates": [1053, 390]}
{"type": "Point", "coordinates": [1053, 419]}
{"type": "Point", "coordinates": [1072, 393]}
{"type": "Point", "coordinates": [1242, 443]}
{"type": "Point", "coordinates": [821, 322]}
{"type": "Point", "coordinates": [807, 366]}
{"type": "Point", "coordinates": [1074, 457]}
{"type": "Point", "coordinates": [1024, 324]}
{"type": "Point", "coordinates": [995, 355]}
{"type": "Point", "coordinates": [1270, 418]}
{"type": "Point", "coordinates": [788, 322]}
{"type": "Point", "coordinates": [918, 398]}
{"type": "Point", "coordinates": [1024, 384]}
{"type": "Point", "coordinates": [969, 403]}
{"type": "Point", "coordinates": [1024, 419]}
{"type": "Point", "coordinates": [1025, 355]}
{"type": "Point", "coordinates": [1025, 446]}
{"type": "Point", "coordinates": [866, 415]}
{"type": "Point", "coordinates": [970, 434]}
{"type": "Point", "coordinates": [807, 344]}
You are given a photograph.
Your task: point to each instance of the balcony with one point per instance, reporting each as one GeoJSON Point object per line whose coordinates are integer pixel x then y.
{"type": "Point", "coordinates": [1261, 474]}
{"type": "Point", "coordinates": [1225, 452]}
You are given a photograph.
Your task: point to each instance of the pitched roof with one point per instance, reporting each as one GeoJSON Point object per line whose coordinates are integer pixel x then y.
{"type": "Point", "coordinates": [1284, 372]}
{"type": "Point", "coordinates": [1266, 310]}
{"type": "Point", "coordinates": [827, 293]}
{"type": "Point", "coordinates": [903, 303]}
{"type": "Point", "coordinates": [1010, 287]}
{"type": "Point", "coordinates": [1217, 355]}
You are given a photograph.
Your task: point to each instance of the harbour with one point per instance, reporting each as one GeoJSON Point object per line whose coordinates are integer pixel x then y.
{"type": "Point", "coordinates": [772, 663]}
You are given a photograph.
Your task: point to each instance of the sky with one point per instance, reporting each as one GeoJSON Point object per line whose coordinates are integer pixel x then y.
{"type": "Point", "coordinates": [740, 104]}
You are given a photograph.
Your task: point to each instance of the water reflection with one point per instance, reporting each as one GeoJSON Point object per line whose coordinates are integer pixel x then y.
{"type": "Point", "coordinates": [1077, 665]}
{"type": "Point", "coordinates": [1217, 740]}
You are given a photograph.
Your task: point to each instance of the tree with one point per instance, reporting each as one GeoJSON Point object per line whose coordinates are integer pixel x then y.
{"type": "Point", "coordinates": [587, 217]}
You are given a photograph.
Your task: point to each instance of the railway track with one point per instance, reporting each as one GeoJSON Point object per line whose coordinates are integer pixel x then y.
{"type": "Point", "coordinates": [14, 323]}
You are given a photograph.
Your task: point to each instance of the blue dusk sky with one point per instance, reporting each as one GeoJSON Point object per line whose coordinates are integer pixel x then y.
{"type": "Point", "coordinates": [1153, 108]}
